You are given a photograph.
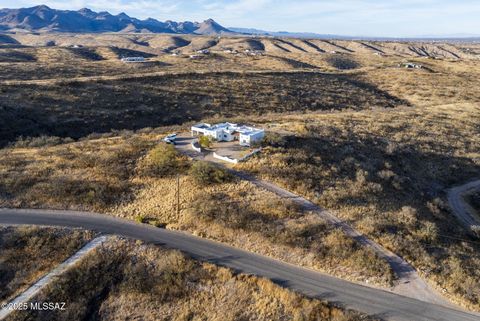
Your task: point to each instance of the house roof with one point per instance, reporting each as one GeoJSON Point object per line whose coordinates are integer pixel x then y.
{"type": "Point", "coordinates": [229, 128]}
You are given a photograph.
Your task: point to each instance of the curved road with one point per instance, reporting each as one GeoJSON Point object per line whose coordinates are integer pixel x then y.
{"type": "Point", "coordinates": [372, 301]}
{"type": "Point", "coordinates": [460, 208]}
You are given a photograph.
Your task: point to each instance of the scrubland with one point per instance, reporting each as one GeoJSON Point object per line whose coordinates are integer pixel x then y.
{"type": "Point", "coordinates": [127, 280]}
{"type": "Point", "coordinates": [27, 253]}
{"type": "Point", "coordinates": [386, 173]}
{"type": "Point", "coordinates": [352, 131]}
{"type": "Point", "coordinates": [76, 109]}
{"type": "Point", "coordinates": [133, 176]}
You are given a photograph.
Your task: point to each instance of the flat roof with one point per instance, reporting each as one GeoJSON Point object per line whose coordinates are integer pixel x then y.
{"type": "Point", "coordinates": [242, 129]}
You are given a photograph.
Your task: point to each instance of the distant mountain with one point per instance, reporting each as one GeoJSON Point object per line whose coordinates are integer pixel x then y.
{"type": "Point", "coordinates": [258, 32]}
{"type": "Point", "coordinates": [44, 19]}
{"type": "Point", "coordinates": [310, 35]}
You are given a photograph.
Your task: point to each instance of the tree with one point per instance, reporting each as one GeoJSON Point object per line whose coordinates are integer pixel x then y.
{"type": "Point", "coordinates": [206, 173]}
{"type": "Point", "coordinates": [205, 141]}
{"type": "Point", "coordinates": [163, 160]}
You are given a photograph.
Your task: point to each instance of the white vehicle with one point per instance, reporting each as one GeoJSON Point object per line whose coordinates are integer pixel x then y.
{"type": "Point", "coordinates": [170, 139]}
{"type": "Point", "coordinates": [171, 136]}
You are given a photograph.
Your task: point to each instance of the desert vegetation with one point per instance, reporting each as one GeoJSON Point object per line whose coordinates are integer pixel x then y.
{"type": "Point", "coordinates": [386, 173]}
{"type": "Point", "coordinates": [27, 253]}
{"type": "Point", "coordinates": [205, 173]}
{"type": "Point", "coordinates": [75, 109]}
{"type": "Point", "coordinates": [130, 281]}
{"type": "Point", "coordinates": [132, 175]}
{"type": "Point", "coordinates": [349, 128]}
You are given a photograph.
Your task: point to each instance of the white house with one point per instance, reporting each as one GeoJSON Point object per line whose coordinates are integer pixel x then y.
{"type": "Point", "coordinates": [227, 132]}
{"type": "Point", "coordinates": [133, 59]}
{"type": "Point", "coordinates": [203, 51]}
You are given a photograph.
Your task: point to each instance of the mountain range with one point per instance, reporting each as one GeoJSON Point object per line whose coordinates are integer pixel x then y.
{"type": "Point", "coordinates": [311, 35]}
{"type": "Point", "coordinates": [44, 19]}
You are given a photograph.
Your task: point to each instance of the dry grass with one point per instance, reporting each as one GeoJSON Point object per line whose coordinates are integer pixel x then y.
{"type": "Point", "coordinates": [128, 281]}
{"type": "Point", "coordinates": [27, 253]}
{"type": "Point", "coordinates": [384, 170]}
{"type": "Point", "coordinates": [450, 83]}
{"type": "Point", "coordinates": [76, 109]}
{"type": "Point", "coordinates": [386, 173]}
{"type": "Point", "coordinates": [126, 176]}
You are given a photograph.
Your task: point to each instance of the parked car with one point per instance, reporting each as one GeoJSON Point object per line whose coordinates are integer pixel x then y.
{"type": "Point", "coordinates": [170, 139]}
{"type": "Point", "coordinates": [171, 136]}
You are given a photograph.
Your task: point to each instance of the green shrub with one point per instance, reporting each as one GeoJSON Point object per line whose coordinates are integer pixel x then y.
{"type": "Point", "coordinates": [207, 173]}
{"type": "Point", "coordinates": [163, 160]}
{"type": "Point", "coordinates": [205, 141]}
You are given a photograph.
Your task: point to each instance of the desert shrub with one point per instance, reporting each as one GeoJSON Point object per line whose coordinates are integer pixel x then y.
{"type": "Point", "coordinates": [221, 209]}
{"type": "Point", "coordinates": [28, 252]}
{"type": "Point", "coordinates": [428, 232]}
{"type": "Point", "coordinates": [41, 141]}
{"type": "Point", "coordinates": [273, 139]}
{"type": "Point", "coordinates": [342, 63]}
{"type": "Point", "coordinates": [159, 284]}
{"type": "Point", "coordinates": [205, 173]}
{"type": "Point", "coordinates": [205, 141]}
{"type": "Point", "coordinates": [162, 160]}
{"type": "Point", "coordinates": [86, 193]}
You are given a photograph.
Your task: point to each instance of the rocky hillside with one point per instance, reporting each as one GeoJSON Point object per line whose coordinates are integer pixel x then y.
{"type": "Point", "coordinates": [43, 18]}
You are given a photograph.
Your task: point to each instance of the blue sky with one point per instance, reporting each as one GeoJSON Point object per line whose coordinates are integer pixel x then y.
{"type": "Point", "coordinates": [400, 18]}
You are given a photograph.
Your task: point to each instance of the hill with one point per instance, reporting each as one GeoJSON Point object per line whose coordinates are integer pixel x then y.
{"type": "Point", "coordinates": [44, 19]}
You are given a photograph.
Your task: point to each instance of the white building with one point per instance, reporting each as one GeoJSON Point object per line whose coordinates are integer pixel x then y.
{"type": "Point", "coordinates": [227, 132]}
{"type": "Point", "coordinates": [203, 51]}
{"type": "Point", "coordinates": [133, 59]}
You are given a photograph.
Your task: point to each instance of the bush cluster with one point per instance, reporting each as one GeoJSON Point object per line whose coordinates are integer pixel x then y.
{"type": "Point", "coordinates": [163, 160]}
{"type": "Point", "coordinates": [205, 173]}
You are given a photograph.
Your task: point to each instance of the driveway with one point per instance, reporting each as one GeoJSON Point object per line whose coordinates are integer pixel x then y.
{"type": "Point", "coordinates": [464, 212]}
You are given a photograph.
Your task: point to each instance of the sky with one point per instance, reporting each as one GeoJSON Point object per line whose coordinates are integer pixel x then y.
{"type": "Point", "coordinates": [389, 18]}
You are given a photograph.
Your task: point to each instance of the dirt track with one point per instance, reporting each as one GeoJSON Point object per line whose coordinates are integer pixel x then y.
{"type": "Point", "coordinates": [464, 212]}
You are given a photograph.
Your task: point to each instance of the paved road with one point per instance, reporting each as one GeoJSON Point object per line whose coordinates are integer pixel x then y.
{"type": "Point", "coordinates": [351, 295]}
{"type": "Point", "coordinates": [409, 283]}
{"type": "Point", "coordinates": [460, 208]}
{"type": "Point", "coordinates": [27, 295]}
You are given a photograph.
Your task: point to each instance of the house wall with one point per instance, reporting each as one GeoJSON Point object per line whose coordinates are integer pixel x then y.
{"type": "Point", "coordinates": [226, 137]}
{"type": "Point", "coordinates": [244, 140]}
{"type": "Point", "coordinates": [215, 134]}
{"type": "Point", "coordinates": [257, 137]}
{"type": "Point", "coordinates": [225, 158]}
{"type": "Point", "coordinates": [222, 133]}
{"type": "Point", "coordinates": [247, 140]}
